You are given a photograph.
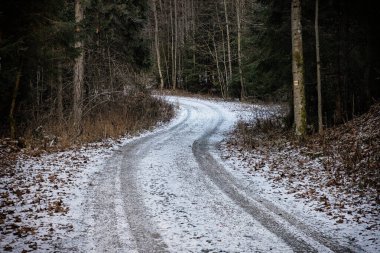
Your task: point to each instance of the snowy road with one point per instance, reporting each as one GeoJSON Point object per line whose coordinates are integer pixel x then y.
{"type": "Point", "coordinates": [169, 192]}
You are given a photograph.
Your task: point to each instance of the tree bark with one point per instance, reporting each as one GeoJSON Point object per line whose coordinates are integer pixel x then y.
{"type": "Point", "coordinates": [298, 70]}
{"type": "Point", "coordinates": [110, 68]}
{"type": "Point", "coordinates": [12, 121]}
{"type": "Point", "coordinates": [228, 45]}
{"type": "Point", "coordinates": [78, 70]}
{"type": "Point", "coordinates": [319, 88]}
{"type": "Point", "coordinates": [220, 76]}
{"type": "Point", "coordinates": [59, 92]}
{"type": "Point", "coordinates": [368, 74]}
{"type": "Point", "coordinates": [157, 45]}
{"type": "Point", "coordinates": [238, 20]}
{"type": "Point", "coordinates": [224, 87]}
{"type": "Point", "coordinates": [173, 62]}
{"type": "Point", "coordinates": [340, 107]}
{"type": "Point", "coordinates": [175, 45]}
{"type": "Point", "coordinates": [193, 33]}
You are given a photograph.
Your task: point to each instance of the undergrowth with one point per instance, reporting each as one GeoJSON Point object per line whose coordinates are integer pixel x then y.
{"type": "Point", "coordinates": [266, 130]}
{"type": "Point", "coordinates": [114, 118]}
{"type": "Point", "coordinates": [350, 153]}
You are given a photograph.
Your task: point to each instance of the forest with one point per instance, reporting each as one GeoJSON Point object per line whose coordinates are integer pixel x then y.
{"type": "Point", "coordinates": [71, 68]}
{"type": "Point", "coordinates": [189, 126]}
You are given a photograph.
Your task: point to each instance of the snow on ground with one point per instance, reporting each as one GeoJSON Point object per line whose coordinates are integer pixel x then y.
{"type": "Point", "coordinates": [189, 210]}
{"type": "Point", "coordinates": [364, 234]}
{"type": "Point", "coordinates": [42, 199]}
{"type": "Point", "coordinates": [298, 183]}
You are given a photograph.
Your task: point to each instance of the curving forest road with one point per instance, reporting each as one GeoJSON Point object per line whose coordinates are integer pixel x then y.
{"type": "Point", "coordinates": [169, 192]}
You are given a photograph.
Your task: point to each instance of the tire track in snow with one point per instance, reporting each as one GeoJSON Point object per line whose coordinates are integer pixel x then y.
{"type": "Point", "coordinates": [116, 197]}
{"type": "Point", "coordinates": [145, 234]}
{"type": "Point", "coordinates": [297, 235]}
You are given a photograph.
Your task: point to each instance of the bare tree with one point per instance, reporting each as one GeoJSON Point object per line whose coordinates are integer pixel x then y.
{"type": "Point", "coordinates": [78, 70]}
{"type": "Point", "coordinates": [238, 21]}
{"type": "Point", "coordinates": [157, 44]}
{"type": "Point", "coordinates": [298, 70]}
{"type": "Point", "coordinates": [228, 44]}
{"type": "Point", "coordinates": [215, 55]}
{"type": "Point", "coordinates": [320, 118]}
{"type": "Point", "coordinates": [175, 36]}
{"type": "Point", "coordinates": [193, 24]}
{"type": "Point", "coordinates": [13, 105]}
{"type": "Point", "coordinates": [59, 92]}
{"type": "Point", "coordinates": [224, 80]}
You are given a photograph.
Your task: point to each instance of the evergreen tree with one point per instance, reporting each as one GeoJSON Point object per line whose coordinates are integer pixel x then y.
{"type": "Point", "coordinates": [37, 50]}
{"type": "Point", "coordinates": [267, 65]}
{"type": "Point", "coordinates": [33, 37]}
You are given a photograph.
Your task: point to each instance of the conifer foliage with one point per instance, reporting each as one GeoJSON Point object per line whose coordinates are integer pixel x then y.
{"type": "Point", "coordinates": [348, 60]}
{"type": "Point", "coordinates": [243, 49]}
{"type": "Point", "coordinates": [231, 48]}
{"type": "Point", "coordinates": [40, 42]}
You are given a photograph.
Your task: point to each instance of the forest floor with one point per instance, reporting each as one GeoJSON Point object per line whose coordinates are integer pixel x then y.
{"type": "Point", "coordinates": [44, 196]}
{"type": "Point", "coordinates": [336, 174]}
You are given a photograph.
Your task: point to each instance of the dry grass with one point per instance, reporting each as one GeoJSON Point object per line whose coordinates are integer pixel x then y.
{"type": "Point", "coordinates": [350, 153]}
{"type": "Point", "coordinates": [353, 150]}
{"type": "Point", "coordinates": [266, 130]}
{"type": "Point", "coordinates": [184, 93]}
{"type": "Point", "coordinates": [337, 172]}
{"type": "Point", "coordinates": [112, 119]}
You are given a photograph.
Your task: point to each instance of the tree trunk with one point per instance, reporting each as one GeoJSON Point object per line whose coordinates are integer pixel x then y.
{"type": "Point", "coordinates": [340, 108]}
{"type": "Point", "coordinates": [59, 92]}
{"type": "Point", "coordinates": [110, 68]}
{"type": "Point", "coordinates": [320, 118]}
{"type": "Point", "coordinates": [173, 62]}
{"type": "Point", "coordinates": [167, 68]}
{"type": "Point", "coordinates": [298, 70]}
{"type": "Point", "coordinates": [193, 33]}
{"type": "Point", "coordinates": [368, 74]}
{"type": "Point", "coordinates": [157, 45]}
{"type": "Point", "coordinates": [220, 75]}
{"type": "Point", "coordinates": [228, 46]}
{"type": "Point", "coordinates": [12, 121]}
{"type": "Point", "coordinates": [238, 20]}
{"type": "Point", "coordinates": [224, 88]}
{"type": "Point", "coordinates": [78, 71]}
{"type": "Point", "coordinates": [175, 45]}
